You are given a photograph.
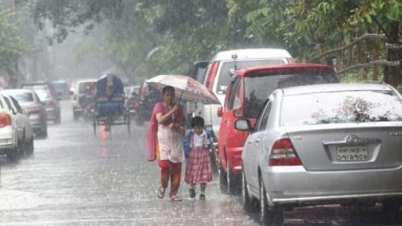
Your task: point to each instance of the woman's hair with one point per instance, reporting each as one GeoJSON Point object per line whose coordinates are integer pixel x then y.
{"type": "Point", "coordinates": [197, 121]}
{"type": "Point", "coordinates": [166, 89]}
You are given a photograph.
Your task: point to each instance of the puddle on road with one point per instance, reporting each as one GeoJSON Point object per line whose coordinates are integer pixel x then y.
{"type": "Point", "coordinates": [11, 199]}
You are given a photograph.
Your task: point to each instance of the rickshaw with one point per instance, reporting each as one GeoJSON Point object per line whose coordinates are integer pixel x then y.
{"type": "Point", "coordinates": [109, 103]}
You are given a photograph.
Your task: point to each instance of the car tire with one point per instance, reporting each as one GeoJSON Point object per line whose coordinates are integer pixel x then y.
{"type": "Point", "coordinates": [248, 202]}
{"type": "Point", "coordinates": [233, 181]}
{"type": "Point", "coordinates": [14, 154]}
{"type": "Point", "coordinates": [29, 147]}
{"type": "Point", "coordinates": [269, 216]}
{"type": "Point", "coordinates": [75, 117]}
{"type": "Point", "coordinates": [44, 133]}
{"type": "Point", "coordinates": [223, 184]}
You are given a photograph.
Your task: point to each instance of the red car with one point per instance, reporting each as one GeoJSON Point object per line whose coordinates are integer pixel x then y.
{"type": "Point", "coordinates": [246, 94]}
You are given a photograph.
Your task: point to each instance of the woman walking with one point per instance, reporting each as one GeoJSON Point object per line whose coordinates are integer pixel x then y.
{"type": "Point", "coordinates": [165, 136]}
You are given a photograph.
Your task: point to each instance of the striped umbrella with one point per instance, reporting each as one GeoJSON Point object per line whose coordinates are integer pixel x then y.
{"type": "Point", "coordinates": [186, 88]}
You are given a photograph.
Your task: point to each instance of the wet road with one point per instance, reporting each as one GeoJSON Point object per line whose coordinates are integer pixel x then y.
{"type": "Point", "coordinates": [76, 178]}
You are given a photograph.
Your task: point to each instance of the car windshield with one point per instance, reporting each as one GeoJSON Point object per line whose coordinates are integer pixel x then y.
{"type": "Point", "coordinates": [225, 75]}
{"type": "Point", "coordinates": [341, 107]}
{"type": "Point", "coordinates": [43, 95]}
{"type": "Point", "coordinates": [259, 85]}
{"type": "Point", "coordinates": [86, 87]}
{"type": "Point", "coordinates": [36, 87]}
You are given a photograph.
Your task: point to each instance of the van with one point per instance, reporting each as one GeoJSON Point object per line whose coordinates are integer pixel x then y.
{"type": "Point", "coordinates": [246, 94]}
{"type": "Point", "coordinates": [218, 73]}
{"type": "Point", "coordinates": [83, 91]}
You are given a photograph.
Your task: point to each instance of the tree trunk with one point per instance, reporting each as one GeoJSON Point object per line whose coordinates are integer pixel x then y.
{"type": "Point", "coordinates": [392, 74]}
{"type": "Point", "coordinates": [376, 53]}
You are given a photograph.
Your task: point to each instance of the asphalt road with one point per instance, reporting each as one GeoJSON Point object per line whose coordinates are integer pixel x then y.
{"type": "Point", "coordinates": [77, 178]}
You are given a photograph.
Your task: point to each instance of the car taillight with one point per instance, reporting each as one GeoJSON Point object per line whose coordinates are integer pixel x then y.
{"type": "Point", "coordinates": [32, 110]}
{"type": "Point", "coordinates": [284, 154]}
{"type": "Point", "coordinates": [5, 120]}
{"type": "Point", "coordinates": [51, 103]}
{"type": "Point", "coordinates": [211, 75]}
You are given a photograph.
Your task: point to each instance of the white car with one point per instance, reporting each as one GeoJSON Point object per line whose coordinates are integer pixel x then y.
{"type": "Point", "coordinates": [219, 73]}
{"type": "Point", "coordinates": [324, 144]}
{"type": "Point", "coordinates": [16, 134]}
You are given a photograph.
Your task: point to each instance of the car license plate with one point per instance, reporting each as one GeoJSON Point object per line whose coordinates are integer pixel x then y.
{"type": "Point", "coordinates": [352, 153]}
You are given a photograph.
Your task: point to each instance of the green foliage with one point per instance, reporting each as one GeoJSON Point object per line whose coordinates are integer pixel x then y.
{"type": "Point", "coordinates": [11, 43]}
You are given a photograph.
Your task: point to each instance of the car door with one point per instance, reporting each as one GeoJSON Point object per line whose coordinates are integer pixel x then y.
{"type": "Point", "coordinates": [255, 146]}
{"type": "Point", "coordinates": [226, 130]}
{"type": "Point", "coordinates": [19, 123]}
{"type": "Point", "coordinates": [23, 118]}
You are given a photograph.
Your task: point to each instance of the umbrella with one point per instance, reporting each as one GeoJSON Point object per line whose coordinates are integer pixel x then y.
{"type": "Point", "coordinates": [186, 88]}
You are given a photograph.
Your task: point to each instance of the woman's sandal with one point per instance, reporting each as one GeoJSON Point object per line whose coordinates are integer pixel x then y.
{"type": "Point", "coordinates": [161, 193]}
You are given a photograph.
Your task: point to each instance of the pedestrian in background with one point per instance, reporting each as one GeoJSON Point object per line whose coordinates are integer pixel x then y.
{"type": "Point", "coordinates": [165, 136]}
{"type": "Point", "coordinates": [198, 168]}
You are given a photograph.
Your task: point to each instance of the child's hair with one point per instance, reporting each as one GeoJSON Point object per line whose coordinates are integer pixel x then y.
{"type": "Point", "coordinates": [197, 121]}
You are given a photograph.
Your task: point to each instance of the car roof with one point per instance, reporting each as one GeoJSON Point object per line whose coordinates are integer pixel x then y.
{"type": "Point", "coordinates": [16, 91]}
{"type": "Point", "coordinates": [256, 53]}
{"type": "Point", "coordinates": [335, 87]}
{"type": "Point", "coordinates": [284, 67]}
{"type": "Point", "coordinates": [86, 80]}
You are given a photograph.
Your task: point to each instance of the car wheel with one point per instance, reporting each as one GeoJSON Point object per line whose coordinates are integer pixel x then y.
{"type": "Point", "coordinates": [44, 133]}
{"type": "Point", "coordinates": [248, 203]}
{"type": "Point", "coordinates": [29, 147]}
{"type": "Point", "coordinates": [233, 181]}
{"type": "Point", "coordinates": [223, 184]}
{"type": "Point", "coordinates": [75, 116]}
{"type": "Point", "coordinates": [269, 216]}
{"type": "Point", "coordinates": [14, 154]}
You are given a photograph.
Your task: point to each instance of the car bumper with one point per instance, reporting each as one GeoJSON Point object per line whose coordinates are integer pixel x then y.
{"type": "Point", "coordinates": [35, 120]}
{"type": "Point", "coordinates": [295, 186]}
{"type": "Point", "coordinates": [7, 140]}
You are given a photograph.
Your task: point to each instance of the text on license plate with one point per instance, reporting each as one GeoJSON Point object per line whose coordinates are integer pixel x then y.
{"type": "Point", "coordinates": [351, 153]}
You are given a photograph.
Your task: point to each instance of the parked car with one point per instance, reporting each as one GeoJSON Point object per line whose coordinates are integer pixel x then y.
{"type": "Point", "coordinates": [324, 144]}
{"type": "Point", "coordinates": [48, 95]}
{"type": "Point", "coordinates": [218, 74]}
{"type": "Point", "coordinates": [33, 107]}
{"type": "Point", "coordinates": [83, 95]}
{"type": "Point", "coordinates": [16, 135]}
{"type": "Point", "coordinates": [245, 96]}
{"type": "Point", "coordinates": [62, 89]}
{"type": "Point", "coordinates": [52, 105]}
{"type": "Point", "coordinates": [132, 99]}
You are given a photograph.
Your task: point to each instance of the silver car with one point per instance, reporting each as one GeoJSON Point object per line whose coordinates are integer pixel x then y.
{"type": "Point", "coordinates": [33, 107]}
{"type": "Point", "coordinates": [324, 144]}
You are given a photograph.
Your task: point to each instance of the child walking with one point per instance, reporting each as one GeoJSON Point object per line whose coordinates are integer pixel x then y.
{"type": "Point", "coordinates": [198, 169]}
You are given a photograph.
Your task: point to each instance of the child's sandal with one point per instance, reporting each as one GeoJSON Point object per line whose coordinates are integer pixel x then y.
{"type": "Point", "coordinates": [161, 193]}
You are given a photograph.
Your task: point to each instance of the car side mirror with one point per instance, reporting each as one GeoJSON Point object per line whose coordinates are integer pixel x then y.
{"type": "Point", "coordinates": [220, 111]}
{"type": "Point", "coordinates": [243, 125]}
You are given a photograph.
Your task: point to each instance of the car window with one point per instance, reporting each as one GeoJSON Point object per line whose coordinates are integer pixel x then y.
{"type": "Point", "coordinates": [224, 74]}
{"type": "Point", "coordinates": [16, 105]}
{"type": "Point", "coordinates": [260, 85]}
{"type": "Point", "coordinates": [265, 116]}
{"type": "Point", "coordinates": [85, 87]}
{"type": "Point", "coordinates": [233, 94]}
{"type": "Point", "coordinates": [8, 103]}
{"type": "Point", "coordinates": [341, 107]}
{"type": "Point", "coordinates": [23, 97]}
